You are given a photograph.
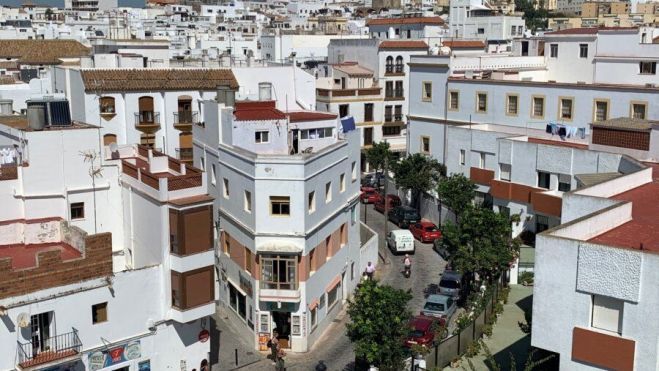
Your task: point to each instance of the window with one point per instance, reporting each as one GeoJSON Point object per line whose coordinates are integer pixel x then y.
{"type": "Point", "coordinates": [368, 112]}
{"type": "Point", "coordinates": [481, 160]}
{"type": "Point", "coordinates": [354, 170]}
{"type": "Point", "coordinates": [106, 106]}
{"type": "Point", "coordinates": [388, 115]}
{"type": "Point", "coordinates": [202, 164]}
{"type": "Point", "coordinates": [538, 109]}
{"type": "Point", "coordinates": [77, 210]}
{"type": "Point", "coordinates": [454, 101]}
{"type": "Point", "coordinates": [249, 260]}
{"type": "Point", "coordinates": [264, 323]}
{"type": "Point", "coordinates": [313, 317]}
{"type": "Point", "coordinates": [647, 68]}
{"type": "Point", "coordinates": [564, 181]}
{"type": "Point", "coordinates": [543, 179]}
{"type": "Point", "coordinates": [607, 313]}
{"type": "Point", "coordinates": [352, 271]}
{"type": "Point", "coordinates": [553, 50]}
{"type": "Point", "coordinates": [638, 110]}
{"type": "Point", "coordinates": [225, 187]}
{"type": "Point", "coordinates": [280, 205]}
{"type": "Point", "coordinates": [317, 133]}
{"type": "Point", "coordinates": [583, 50]}
{"type": "Point", "coordinates": [353, 215]}
{"type": "Point", "coordinates": [426, 93]}
{"type": "Point", "coordinates": [342, 183]}
{"type": "Point", "coordinates": [541, 223]}
{"type": "Point", "coordinates": [512, 104]}
{"type": "Point", "coordinates": [332, 295]}
{"type": "Point", "coordinates": [328, 192]}
{"type": "Point", "coordinates": [462, 156]}
{"type": "Point", "coordinates": [425, 145]}
{"type": "Point", "coordinates": [481, 102]}
{"type": "Point", "coordinates": [279, 272]}
{"type": "Point", "coordinates": [312, 261]}
{"type": "Point", "coordinates": [393, 130]}
{"type": "Point", "coordinates": [296, 328]}
{"type": "Point", "coordinates": [504, 172]}
{"type": "Point", "coordinates": [481, 31]}
{"type": "Point", "coordinates": [513, 30]}
{"type": "Point", "coordinates": [504, 210]}
{"type": "Point", "coordinates": [601, 110]}
{"type": "Point", "coordinates": [311, 203]}
{"type": "Point", "coordinates": [213, 175]}
{"type": "Point", "coordinates": [566, 108]}
{"type": "Point", "coordinates": [261, 137]}
{"type": "Point", "coordinates": [343, 110]}
{"type": "Point", "coordinates": [398, 92]}
{"type": "Point", "coordinates": [227, 244]}
{"type": "Point", "coordinates": [99, 313]}
{"type": "Point", "coordinates": [247, 203]}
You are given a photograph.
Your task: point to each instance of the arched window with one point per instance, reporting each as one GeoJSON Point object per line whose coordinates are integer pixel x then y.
{"type": "Point", "coordinates": [106, 106]}
{"type": "Point", "coordinates": [399, 64]}
{"type": "Point", "coordinates": [390, 64]}
{"type": "Point", "coordinates": [146, 109]}
{"type": "Point", "coordinates": [109, 139]}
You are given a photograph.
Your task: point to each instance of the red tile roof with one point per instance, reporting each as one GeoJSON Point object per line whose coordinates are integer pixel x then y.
{"type": "Point", "coordinates": [302, 116]}
{"type": "Point", "coordinates": [404, 20]}
{"type": "Point", "coordinates": [257, 111]}
{"type": "Point", "coordinates": [644, 226]}
{"type": "Point", "coordinates": [463, 44]}
{"type": "Point", "coordinates": [588, 30]}
{"type": "Point", "coordinates": [403, 44]}
{"type": "Point", "coordinates": [146, 79]}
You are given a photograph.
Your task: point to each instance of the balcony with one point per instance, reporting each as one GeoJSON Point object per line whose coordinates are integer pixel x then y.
{"type": "Point", "coordinates": [395, 118]}
{"type": "Point", "coordinates": [328, 94]}
{"type": "Point", "coordinates": [8, 172]}
{"type": "Point", "coordinates": [394, 70]}
{"type": "Point", "coordinates": [185, 155]}
{"type": "Point", "coordinates": [183, 120]}
{"type": "Point", "coordinates": [50, 351]}
{"type": "Point", "coordinates": [147, 121]}
{"type": "Point", "coordinates": [193, 294]}
{"type": "Point", "coordinates": [481, 176]}
{"type": "Point", "coordinates": [547, 203]}
{"type": "Point", "coordinates": [395, 94]}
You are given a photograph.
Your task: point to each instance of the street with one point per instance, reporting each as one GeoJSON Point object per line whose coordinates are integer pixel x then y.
{"type": "Point", "coordinates": [334, 348]}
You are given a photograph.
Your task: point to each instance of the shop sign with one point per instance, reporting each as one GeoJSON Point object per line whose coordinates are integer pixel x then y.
{"type": "Point", "coordinates": [204, 335]}
{"type": "Point", "coordinates": [263, 341]}
{"type": "Point", "coordinates": [245, 284]}
{"type": "Point", "coordinates": [112, 356]}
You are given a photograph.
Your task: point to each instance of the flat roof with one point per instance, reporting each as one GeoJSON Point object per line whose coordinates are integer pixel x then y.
{"type": "Point", "coordinates": [642, 232]}
{"type": "Point", "coordinates": [25, 256]}
{"type": "Point", "coordinates": [625, 123]}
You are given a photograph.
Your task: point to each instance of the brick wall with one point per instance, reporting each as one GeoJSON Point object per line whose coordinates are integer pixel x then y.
{"type": "Point", "coordinates": [622, 138]}
{"type": "Point", "coordinates": [51, 271]}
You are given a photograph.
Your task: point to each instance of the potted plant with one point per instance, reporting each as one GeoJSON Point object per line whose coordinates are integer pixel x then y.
{"type": "Point", "coordinates": [455, 363]}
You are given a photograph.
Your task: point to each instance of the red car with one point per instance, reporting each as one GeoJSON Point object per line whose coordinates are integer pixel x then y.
{"type": "Point", "coordinates": [393, 201]}
{"type": "Point", "coordinates": [422, 331]}
{"type": "Point", "coordinates": [369, 195]}
{"type": "Point", "coordinates": [425, 231]}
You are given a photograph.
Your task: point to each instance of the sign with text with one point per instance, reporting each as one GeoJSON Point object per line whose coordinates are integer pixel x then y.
{"type": "Point", "coordinates": [114, 355]}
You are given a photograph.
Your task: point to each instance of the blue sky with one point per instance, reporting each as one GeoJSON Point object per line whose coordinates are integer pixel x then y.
{"type": "Point", "coordinates": [60, 3]}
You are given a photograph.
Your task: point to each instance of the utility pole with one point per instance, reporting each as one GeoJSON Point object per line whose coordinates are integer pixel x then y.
{"type": "Point", "coordinates": [386, 201]}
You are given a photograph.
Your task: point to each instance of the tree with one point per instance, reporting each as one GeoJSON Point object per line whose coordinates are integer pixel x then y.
{"type": "Point", "coordinates": [418, 173]}
{"type": "Point", "coordinates": [379, 321]}
{"type": "Point", "coordinates": [378, 154]}
{"type": "Point", "coordinates": [456, 192]}
{"type": "Point", "coordinates": [481, 241]}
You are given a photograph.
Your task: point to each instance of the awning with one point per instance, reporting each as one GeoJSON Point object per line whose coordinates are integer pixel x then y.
{"type": "Point", "coordinates": [314, 303]}
{"type": "Point", "coordinates": [279, 247]}
{"type": "Point", "coordinates": [333, 284]}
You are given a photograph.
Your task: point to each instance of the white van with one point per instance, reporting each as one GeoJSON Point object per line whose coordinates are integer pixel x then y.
{"type": "Point", "coordinates": [400, 241]}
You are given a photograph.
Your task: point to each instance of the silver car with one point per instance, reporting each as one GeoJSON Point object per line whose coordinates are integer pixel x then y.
{"type": "Point", "coordinates": [439, 306]}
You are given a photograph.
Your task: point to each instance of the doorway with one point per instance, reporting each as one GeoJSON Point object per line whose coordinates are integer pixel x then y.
{"type": "Point", "coordinates": [42, 326]}
{"type": "Point", "coordinates": [282, 321]}
{"type": "Point", "coordinates": [296, 144]}
{"type": "Point", "coordinates": [368, 136]}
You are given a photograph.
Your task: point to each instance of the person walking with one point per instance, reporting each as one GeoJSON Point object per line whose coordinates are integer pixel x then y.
{"type": "Point", "coordinates": [370, 270]}
{"type": "Point", "coordinates": [273, 344]}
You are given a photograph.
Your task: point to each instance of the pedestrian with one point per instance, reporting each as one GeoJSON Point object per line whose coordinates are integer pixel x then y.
{"type": "Point", "coordinates": [280, 364]}
{"type": "Point", "coordinates": [370, 269]}
{"type": "Point", "coordinates": [321, 366]}
{"type": "Point", "coordinates": [273, 344]}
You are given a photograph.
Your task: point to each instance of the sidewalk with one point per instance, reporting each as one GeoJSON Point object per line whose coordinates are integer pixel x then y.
{"type": "Point", "coordinates": [230, 339]}
{"type": "Point", "coordinates": [507, 337]}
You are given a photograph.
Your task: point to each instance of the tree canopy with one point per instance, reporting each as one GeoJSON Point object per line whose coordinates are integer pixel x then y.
{"type": "Point", "coordinates": [378, 154]}
{"type": "Point", "coordinates": [481, 241]}
{"type": "Point", "coordinates": [535, 16]}
{"type": "Point", "coordinates": [456, 192]}
{"type": "Point", "coordinates": [379, 323]}
{"type": "Point", "coordinates": [418, 173]}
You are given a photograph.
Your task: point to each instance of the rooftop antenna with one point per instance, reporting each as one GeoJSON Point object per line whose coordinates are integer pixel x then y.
{"type": "Point", "coordinates": [94, 172]}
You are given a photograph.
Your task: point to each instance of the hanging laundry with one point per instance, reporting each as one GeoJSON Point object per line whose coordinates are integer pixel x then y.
{"type": "Point", "coordinates": [562, 131]}
{"type": "Point", "coordinates": [581, 132]}
{"type": "Point", "coordinates": [548, 129]}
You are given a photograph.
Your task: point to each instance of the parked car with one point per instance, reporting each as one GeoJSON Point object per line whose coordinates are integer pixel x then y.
{"type": "Point", "coordinates": [422, 331]}
{"type": "Point", "coordinates": [441, 250]}
{"type": "Point", "coordinates": [403, 216]}
{"type": "Point", "coordinates": [392, 200]}
{"type": "Point", "coordinates": [374, 180]}
{"type": "Point", "coordinates": [425, 231]}
{"type": "Point", "coordinates": [440, 306]}
{"type": "Point", "coordinates": [400, 241]}
{"type": "Point", "coordinates": [453, 284]}
{"type": "Point", "coordinates": [369, 195]}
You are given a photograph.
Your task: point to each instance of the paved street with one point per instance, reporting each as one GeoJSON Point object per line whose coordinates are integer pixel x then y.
{"type": "Point", "coordinates": [335, 348]}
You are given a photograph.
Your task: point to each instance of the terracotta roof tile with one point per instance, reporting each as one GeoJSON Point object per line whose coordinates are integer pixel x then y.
{"type": "Point", "coordinates": [404, 20]}
{"type": "Point", "coordinates": [257, 111]}
{"type": "Point", "coordinates": [115, 80]}
{"type": "Point", "coordinates": [303, 116]}
{"type": "Point", "coordinates": [463, 44]}
{"type": "Point", "coordinates": [587, 30]}
{"type": "Point", "coordinates": [42, 51]}
{"type": "Point", "coordinates": [403, 44]}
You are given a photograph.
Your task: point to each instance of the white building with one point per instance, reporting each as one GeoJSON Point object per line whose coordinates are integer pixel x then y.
{"type": "Point", "coordinates": [430, 29]}
{"type": "Point", "coordinates": [90, 5]}
{"type": "Point", "coordinates": [105, 259]}
{"type": "Point", "coordinates": [476, 19]}
{"type": "Point", "coordinates": [285, 48]}
{"type": "Point", "coordinates": [287, 205]}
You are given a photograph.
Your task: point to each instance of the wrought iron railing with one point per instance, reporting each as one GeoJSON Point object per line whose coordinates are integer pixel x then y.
{"type": "Point", "coordinates": [185, 117]}
{"type": "Point", "coordinates": [147, 118]}
{"type": "Point", "coordinates": [50, 349]}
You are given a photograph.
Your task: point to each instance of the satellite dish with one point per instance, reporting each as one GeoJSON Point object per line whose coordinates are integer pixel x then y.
{"type": "Point", "coordinates": [23, 320]}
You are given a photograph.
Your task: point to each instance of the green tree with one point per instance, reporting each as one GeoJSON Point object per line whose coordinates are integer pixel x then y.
{"type": "Point", "coordinates": [418, 173]}
{"type": "Point", "coordinates": [378, 324]}
{"type": "Point", "coordinates": [378, 155]}
{"type": "Point", "coordinates": [481, 241]}
{"type": "Point", "coordinates": [456, 192]}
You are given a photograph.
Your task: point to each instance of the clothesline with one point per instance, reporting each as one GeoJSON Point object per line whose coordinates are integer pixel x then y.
{"type": "Point", "coordinates": [565, 131]}
{"type": "Point", "coordinates": [7, 156]}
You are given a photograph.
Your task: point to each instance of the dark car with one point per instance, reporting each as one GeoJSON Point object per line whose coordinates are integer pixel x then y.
{"type": "Point", "coordinates": [440, 249]}
{"type": "Point", "coordinates": [403, 216]}
{"type": "Point", "coordinates": [454, 284]}
{"type": "Point", "coordinates": [422, 331]}
{"type": "Point", "coordinates": [392, 200]}
{"type": "Point", "coordinates": [374, 180]}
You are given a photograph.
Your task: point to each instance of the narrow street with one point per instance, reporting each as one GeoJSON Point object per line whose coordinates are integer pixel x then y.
{"type": "Point", "coordinates": [334, 348]}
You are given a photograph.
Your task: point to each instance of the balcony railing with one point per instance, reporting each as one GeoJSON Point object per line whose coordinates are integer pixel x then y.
{"type": "Point", "coordinates": [49, 350]}
{"type": "Point", "coordinates": [330, 93]}
{"type": "Point", "coordinates": [184, 154]}
{"type": "Point", "coordinates": [185, 119]}
{"type": "Point", "coordinates": [393, 118]}
{"type": "Point", "coordinates": [394, 94]}
{"type": "Point", "coordinates": [147, 119]}
{"type": "Point", "coordinates": [394, 69]}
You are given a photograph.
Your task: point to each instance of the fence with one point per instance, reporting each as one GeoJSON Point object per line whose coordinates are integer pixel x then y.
{"type": "Point", "coordinates": [455, 345]}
